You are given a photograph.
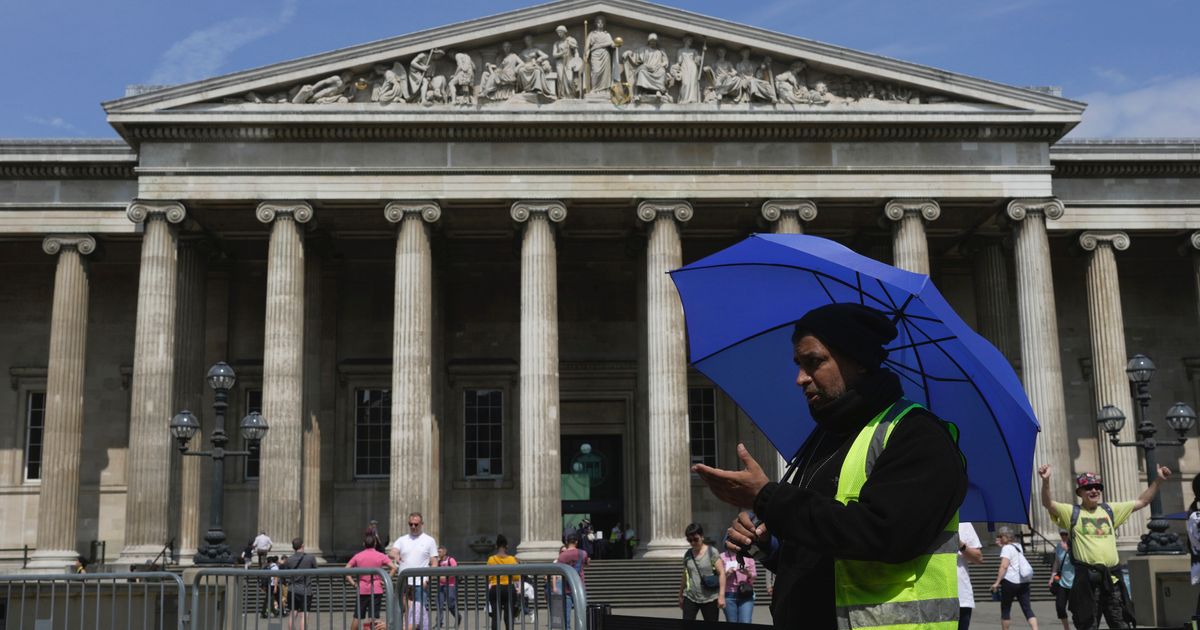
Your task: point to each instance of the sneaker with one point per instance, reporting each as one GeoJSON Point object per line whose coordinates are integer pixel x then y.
{"type": "Point", "coordinates": [529, 617]}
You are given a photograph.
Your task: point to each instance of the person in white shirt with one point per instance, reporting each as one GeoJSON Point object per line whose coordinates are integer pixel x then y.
{"type": "Point", "coordinates": [970, 551]}
{"type": "Point", "coordinates": [262, 546]}
{"type": "Point", "coordinates": [417, 550]}
{"type": "Point", "coordinates": [1013, 578]}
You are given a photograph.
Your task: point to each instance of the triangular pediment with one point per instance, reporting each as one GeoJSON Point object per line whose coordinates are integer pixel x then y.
{"type": "Point", "coordinates": [517, 61]}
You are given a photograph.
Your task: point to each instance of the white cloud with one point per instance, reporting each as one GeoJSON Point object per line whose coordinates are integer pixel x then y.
{"type": "Point", "coordinates": [1111, 75]}
{"type": "Point", "coordinates": [202, 53]}
{"type": "Point", "coordinates": [1167, 109]}
{"type": "Point", "coordinates": [55, 122]}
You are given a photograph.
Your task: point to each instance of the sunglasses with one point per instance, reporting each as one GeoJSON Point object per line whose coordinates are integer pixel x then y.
{"type": "Point", "coordinates": [694, 538]}
{"type": "Point", "coordinates": [1093, 487]}
{"type": "Point", "coordinates": [414, 524]}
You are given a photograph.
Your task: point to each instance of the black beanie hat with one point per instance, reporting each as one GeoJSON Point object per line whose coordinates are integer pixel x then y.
{"type": "Point", "coordinates": [857, 331]}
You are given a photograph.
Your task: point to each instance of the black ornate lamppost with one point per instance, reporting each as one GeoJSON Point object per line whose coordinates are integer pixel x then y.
{"type": "Point", "coordinates": [184, 425]}
{"type": "Point", "coordinates": [1180, 418]}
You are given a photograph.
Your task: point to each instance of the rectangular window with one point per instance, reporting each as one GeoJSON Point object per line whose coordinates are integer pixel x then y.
{"type": "Point", "coordinates": [483, 433]}
{"type": "Point", "coordinates": [253, 403]}
{"type": "Point", "coordinates": [35, 432]}
{"type": "Point", "coordinates": [372, 432]}
{"type": "Point", "coordinates": [702, 424]}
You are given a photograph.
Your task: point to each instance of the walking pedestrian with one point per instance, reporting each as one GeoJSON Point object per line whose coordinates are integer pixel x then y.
{"type": "Point", "coordinates": [502, 597]}
{"type": "Point", "coordinates": [262, 547]}
{"type": "Point", "coordinates": [447, 594]}
{"type": "Point", "coordinates": [577, 559]}
{"type": "Point", "coordinates": [370, 587]}
{"type": "Point", "coordinates": [1193, 531]}
{"type": "Point", "coordinates": [702, 586]}
{"type": "Point", "coordinates": [1062, 576]}
{"type": "Point", "coordinates": [418, 550]}
{"type": "Point", "coordinates": [970, 551]}
{"type": "Point", "coordinates": [1012, 579]}
{"type": "Point", "coordinates": [299, 595]}
{"type": "Point", "coordinates": [740, 572]}
{"type": "Point", "coordinates": [415, 615]}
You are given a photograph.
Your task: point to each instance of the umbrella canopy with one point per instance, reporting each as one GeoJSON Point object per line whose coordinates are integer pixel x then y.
{"type": "Point", "coordinates": [740, 304]}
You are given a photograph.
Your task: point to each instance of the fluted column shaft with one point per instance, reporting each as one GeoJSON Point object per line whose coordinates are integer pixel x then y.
{"type": "Point", "coordinates": [312, 425]}
{"type": "Point", "coordinates": [541, 487]}
{"type": "Point", "coordinates": [1194, 241]}
{"type": "Point", "coordinates": [666, 359]}
{"type": "Point", "coordinates": [1041, 363]}
{"type": "Point", "coordinates": [58, 502]}
{"type": "Point", "coordinates": [910, 248]}
{"type": "Point", "coordinates": [412, 372]}
{"type": "Point", "coordinates": [148, 470]}
{"type": "Point", "coordinates": [189, 388]}
{"type": "Point", "coordinates": [280, 511]}
{"type": "Point", "coordinates": [1118, 466]}
{"type": "Point", "coordinates": [993, 295]}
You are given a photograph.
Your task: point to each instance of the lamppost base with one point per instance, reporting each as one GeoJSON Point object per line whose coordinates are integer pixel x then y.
{"type": "Point", "coordinates": [213, 554]}
{"type": "Point", "coordinates": [1159, 541]}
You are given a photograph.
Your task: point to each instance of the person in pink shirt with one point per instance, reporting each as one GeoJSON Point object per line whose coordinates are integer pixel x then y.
{"type": "Point", "coordinates": [740, 572]}
{"type": "Point", "coordinates": [370, 587]}
{"type": "Point", "coordinates": [447, 593]}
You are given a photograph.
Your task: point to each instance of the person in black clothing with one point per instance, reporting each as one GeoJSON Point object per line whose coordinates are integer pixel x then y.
{"type": "Point", "coordinates": [916, 487]}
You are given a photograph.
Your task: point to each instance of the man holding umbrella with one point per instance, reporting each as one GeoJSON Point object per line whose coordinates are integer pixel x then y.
{"type": "Point", "coordinates": [862, 531]}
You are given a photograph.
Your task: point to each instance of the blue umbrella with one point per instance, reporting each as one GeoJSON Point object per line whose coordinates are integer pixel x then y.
{"type": "Point", "coordinates": [740, 304]}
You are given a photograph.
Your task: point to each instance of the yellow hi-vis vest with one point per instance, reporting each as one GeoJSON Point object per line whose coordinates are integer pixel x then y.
{"type": "Point", "coordinates": [921, 593]}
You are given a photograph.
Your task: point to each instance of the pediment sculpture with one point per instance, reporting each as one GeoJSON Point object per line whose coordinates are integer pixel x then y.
{"type": "Point", "coordinates": [598, 66]}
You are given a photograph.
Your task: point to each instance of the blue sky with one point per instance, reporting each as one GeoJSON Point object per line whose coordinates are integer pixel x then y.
{"type": "Point", "coordinates": [1136, 64]}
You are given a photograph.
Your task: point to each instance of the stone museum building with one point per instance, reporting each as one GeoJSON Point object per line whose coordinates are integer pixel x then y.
{"type": "Point", "coordinates": [437, 264]}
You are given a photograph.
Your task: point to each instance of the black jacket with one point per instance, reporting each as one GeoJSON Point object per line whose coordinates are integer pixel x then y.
{"type": "Point", "coordinates": [918, 483]}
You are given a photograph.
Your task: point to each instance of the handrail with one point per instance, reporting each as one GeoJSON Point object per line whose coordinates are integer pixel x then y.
{"type": "Point", "coordinates": [568, 573]}
{"type": "Point", "coordinates": [114, 578]}
{"type": "Point", "coordinates": [389, 592]}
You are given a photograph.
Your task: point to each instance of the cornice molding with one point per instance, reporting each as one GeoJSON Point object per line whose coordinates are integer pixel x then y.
{"type": "Point", "coordinates": [141, 211]}
{"type": "Point", "coordinates": [1018, 209]}
{"type": "Point", "coordinates": [1126, 169]}
{"type": "Point", "coordinates": [299, 211]}
{"type": "Point", "coordinates": [396, 211]}
{"type": "Point", "coordinates": [927, 208]}
{"type": "Point", "coordinates": [1092, 239]}
{"type": "Point", "coordinates": [555, 211]}
{"type": "Point", "coordinates": [651, 210]}
{"type": "Point", "coordinates": [804, 209]}
{"type": "Point", "coordinates": [67, 171]}
{"type": "Point", "coordinates": [82, 243]}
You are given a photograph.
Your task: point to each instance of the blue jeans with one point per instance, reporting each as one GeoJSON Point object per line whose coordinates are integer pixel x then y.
{"type": "Point", "coordinates": [568, 610]}
{"type": "Point", "coordinates": [739, 608]}
{"type": "Point", "coordinates": [447, 595]}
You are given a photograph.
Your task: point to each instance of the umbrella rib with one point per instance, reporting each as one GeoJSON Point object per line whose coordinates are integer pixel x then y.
{"type": "Point", "coordinates": [815, 272]}
{"type": "Point", "coordinates": [922, 343]}
{"type": "Point", "coordinates": [821, 282]}
{"type": "Point", "coordinates": [920, 365]}
{"type": "Point", "coordinates": [939, 379]}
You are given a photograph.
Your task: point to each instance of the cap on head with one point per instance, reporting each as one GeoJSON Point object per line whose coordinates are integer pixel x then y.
{"type": "Point", "coordinates": [857, 331]}
{"type": "Point", "coordinates": [1088, 479]}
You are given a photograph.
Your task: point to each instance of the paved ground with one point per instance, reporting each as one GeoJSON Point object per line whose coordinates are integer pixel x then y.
{"type": "Point", "coordinates": [986, 616]}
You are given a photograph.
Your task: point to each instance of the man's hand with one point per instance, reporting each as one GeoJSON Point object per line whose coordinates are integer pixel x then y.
{"type": "Point", "coordinates": [737, 488]}
{"type": "Point", "coordinates": [721, 601]}
{"type": "Point", "coordinates": [742, 533]}
{"type": "Point", "coordinates": [1164, 473]}
{"type": "Point", "coordinates": [1044, 471]}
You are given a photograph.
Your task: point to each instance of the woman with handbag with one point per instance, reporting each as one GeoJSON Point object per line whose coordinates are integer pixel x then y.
{"type": "Point", "coordinates": [739, 587]}
{"type": "Point", "coordinates": [702, 588]}
{"type": "Point", "coordinates": [1013, 578]}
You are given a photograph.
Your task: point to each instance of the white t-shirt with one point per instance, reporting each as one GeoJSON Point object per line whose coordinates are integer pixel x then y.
{"type": "Point", "coordinates": [1013, 552]}
{"type": "Point", "coordinates": [416, 551]}
{"type": "Point", "coordinates": [968, 537]}
{"type": "Point", "coordinates": [262, 542]}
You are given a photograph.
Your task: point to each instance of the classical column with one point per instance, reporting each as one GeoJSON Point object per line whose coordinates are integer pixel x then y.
{"type": "Point", "coordinates": [189, 387]}
{"type": "Point", "coordinates": [148, 471]}
{"type": "Point", "coordinates": [541, 491]}
{"type": "Point", "coordinates": [993, 294]}
{"type": "Point", "coordinates": [1041, 363]}
{"type": "Point", "coordinates": [1194, 241]}
{"type": "Point", "coordinates": [58, 502]}
{"type": "Point", "coordinates": [1110, 385]}
{"type": "Point", "coordinates": [788, 216]}
{"type": "Point", "coordinates": [313, 420]}
{"type": "Point", "coordinates": [412, 450]}
{"type": "Point", "coordinates": [280, 510]}
{"type": "Point", "coordinates": [910, 249]}
{"type": "Point", "coordinates": [666, 360]}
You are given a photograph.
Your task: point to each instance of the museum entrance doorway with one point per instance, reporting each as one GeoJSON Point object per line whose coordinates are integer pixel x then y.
{"type": "Point", "coordinates": [592, 486]}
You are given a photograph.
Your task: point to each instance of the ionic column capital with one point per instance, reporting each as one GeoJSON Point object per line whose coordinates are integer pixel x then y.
{"type": "Point", "coordinates": [896, 209]}
{"type": "Point", "coordinates": [140, 211]}
{"type": "Point", "coordinates": [523, 211]}
{"type": "Point", "coordinates": [1090, 240]}
{"type": "Point", "coordinates": [804, 209]}
{"type": "Point", "coordinates": [1194, 239]}
{"type": "Point", "coordinates": [648, 211]}
{"type": "Point", "coordinates": [397, 211]}
{"type": "Point", "coordinates": [1018, 209]}
{"type": "Point", "coordinates": [81, 243]}
{"type": "Point", "coordinates": [299, 211]}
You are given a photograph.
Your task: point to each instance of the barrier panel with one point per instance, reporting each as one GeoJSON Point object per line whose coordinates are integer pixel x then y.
{"type": "Point", "coordinates": [515, 597]}
{"type": "Point", "coordinates": [240, 599]}
{"type": "Point", "coordinates": [138, 601]}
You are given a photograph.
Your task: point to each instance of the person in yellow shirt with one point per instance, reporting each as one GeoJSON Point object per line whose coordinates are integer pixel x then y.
{"type": "Point", "coordinates": [1098, 587]}
{"type": "Point", "coordinates": [501, 597]}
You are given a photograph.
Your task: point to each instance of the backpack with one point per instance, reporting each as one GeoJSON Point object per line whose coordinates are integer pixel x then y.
{"type": "Point", "coordinates": [1024, 569]}
{"type": "Point", "coordinates": [1075, 509]}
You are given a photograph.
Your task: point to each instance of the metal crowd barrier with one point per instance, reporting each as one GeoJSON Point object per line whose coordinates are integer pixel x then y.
{"type": "Point", "coordinates": [104, 601]}
{"type": "Point", "coordinates": [239, 599]}
{"type": "Point", "coordinates": [536, 597]}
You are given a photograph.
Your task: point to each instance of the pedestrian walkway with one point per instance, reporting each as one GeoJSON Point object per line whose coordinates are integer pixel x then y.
{"type": "Point", "coordinates": [986, 617]}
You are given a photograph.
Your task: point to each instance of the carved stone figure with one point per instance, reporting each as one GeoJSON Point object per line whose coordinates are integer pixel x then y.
{"type": "Point", "coordinates": [462, 83]}
{"type": "Point", "coordinates": [646, 69]}
{"type": "Point", "coordinates": [393, 87]}
{"type": "Point", "coordinates": [726, 84]}
{"type": "Point", "coordinates": [567, 64]}
{"type": "Point", "coordinates": [499, 81]}
{"type": "Point", "coordinates": [531, 73]}
{"type": "Point", "coordinates": [752, 85]}
{"type": "Point", "coordinates": [424, 84]}
{"type": "Point", "coordinates": [328, 90]}
{"type": "Point", "coordinates": [686, 71]}
{"type": "Point", "coordinates": [600, 47]}
{"type": "Point", "coordinates": [791, 85]}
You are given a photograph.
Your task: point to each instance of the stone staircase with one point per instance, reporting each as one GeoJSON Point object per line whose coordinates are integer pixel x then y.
{"type": "Point", "coordinates": [982, 575]}
{"type": "Point", "coordinates": [643, 583]}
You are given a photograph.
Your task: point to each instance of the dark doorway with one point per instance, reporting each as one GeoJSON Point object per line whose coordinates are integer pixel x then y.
{"type": "Point", "coordinates": [593, 487]}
